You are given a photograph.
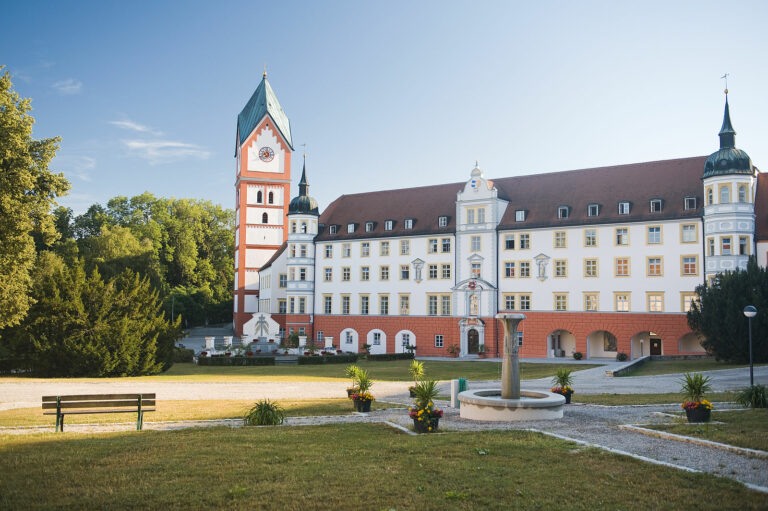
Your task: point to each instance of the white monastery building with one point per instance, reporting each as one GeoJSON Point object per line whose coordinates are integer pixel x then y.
{"type": "Point", "coordinates": [601, 261]}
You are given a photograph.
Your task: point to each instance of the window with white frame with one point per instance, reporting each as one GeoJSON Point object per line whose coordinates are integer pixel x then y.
{"type": "Point", "coordinates": [432, 272]}
{"type": "Point", "coordinates": [525, 241]}
{"type": "Point", "coordinates": [525, 302]}
{"type": "Point", "coordinates": [525, 269]}
{"type": "Point", "coordinates": [442, 222]}
{"type": "Point", "coordinates": [655, 206]}
{"type": "Point", "coordinates": [742, 193]}
{"type": "Point", "coordinates": [563, 212]}
{"type": "Point", "coordinates": [346, 250]}
{"type": "Point", "coordinates": [349, 338]}
{"type": "Point", "coordinates": [377, 338]}
{"type": "Point", "coordinates": [365, 273]}
{"type": "Point", "coordinates": [654, 235]}
{"type": "Point", "coordinates": [384, 272]}
{"type": "Point", "coordinates": [408, 223]}
{"type": "Point", "coordinates": [438, 341]}
{"type": "Point", "coordinates": [519, 339]}
{"type": "Point", "coordinates": [446, 243]}
{"type": "Point", "coordinates": [432, 246]}
{"type": "Point", "coordinates": [520, 215]}
{"type": "Point", "coordinates": [388, 225]}
{"type": "Point", "coordinates": [328, 251]}
{"type": "Point", "coordinates": [320, 336]}
{"type": "Point", "coordinates": [405, 247]}
{"type": "Point", "coordinates": [365, 249]}
{"type": "Point", "coordinates": [384, 305]}
{"type": "Point", "coordinates": [590, 237]}
{"type": "Point", "coordinates": [345, 273]}
{"type": "Point", "coordinates": [622, 236]}
{"type": "Point", "coordinates": [725, 195]}
{"type": "Point", "coordinates": [509, 242]}
{"type": "Point", "coordinates": [383, 248]}
{"type": "Point", "coordinates": [332, 229]}
{"type": "Point", "coordinates": [475, 272]}
{"type": "Point", "coordinates": [689, 203]}
{"type": "Point", "coordinates": [350, 228]}
{"type": "Point", "coordinates": [364, 305]}
{"type": "Point", "coordinates": [560, 239]}
{"type": "Point", "coordinates": [688, 233]}
{"type": "Point", "coordinates": [624, 208]}
{"type": "Point", "coordinates": [328, 304]}
{"type": "Point", "coordinates": [593, 210]}
{"type": "Point", "coordinates": [475, 243]}
{"type": "Point", "coordinates": [368, 226]}
{"type": "Point", "coordinates": [446, 269]}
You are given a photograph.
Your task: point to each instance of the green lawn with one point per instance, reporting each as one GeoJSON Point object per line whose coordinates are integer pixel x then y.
{"type": "Point", "coordinates": [396, 370]}
{"type": "Point", "coordinates": [747, 428]}
{"type": "Point", "coordinates": [353, 466]}
{"type": "Point", "coordinates": [653, 367]}
{"type": "Point", "coordinates": [643, 399]}
{"type": "Point", "coordinates": [186, 410]}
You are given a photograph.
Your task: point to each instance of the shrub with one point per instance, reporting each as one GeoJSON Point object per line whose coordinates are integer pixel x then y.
{"type": "Point", "coordinates": [235, 361]}
{"type": "Point", "coordinates": [578, 355]}
{"type": "Point", "coordinates": [694, 386]}
{"type": "Point", "coordinates": [390, 356]}
{"type": "Point", "coordinates": [755, 396]}
{"type": "Point", "coordinates": [336, 359]}
{"type": "Point", "coordinates": [265, 413]}
{"type": "Point", "coordinates": [181, 355]}
{"type": "Point", "coordinates": [563, 377]}
{"type": "Point", "coordinates": [621, 357]}
{"type": "Point", "coordinates": [425, 392]}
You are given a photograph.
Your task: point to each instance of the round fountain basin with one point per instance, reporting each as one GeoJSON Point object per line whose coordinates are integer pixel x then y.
{"type": "Point", "coordinates": [487, 405]}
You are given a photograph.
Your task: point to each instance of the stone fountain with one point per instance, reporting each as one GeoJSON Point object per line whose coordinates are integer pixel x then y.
{"type": "Point", "coordinates": [510, 403]}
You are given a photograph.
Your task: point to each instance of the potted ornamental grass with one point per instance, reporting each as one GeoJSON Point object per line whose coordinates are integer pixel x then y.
{"type": "Point", "coordinates": [454, 350]}
{"type": "Point", "coordinates": [694, 386]}
{"type": "Point", "coordinates": [362, 397]}
{"type": "Point", "coordinates": [426, 417]}
{"type": "Point", "coordinates": [416, 370]}
{"type": "Point", "coordinates": [481, 351]}
{"type": "Point", "coordinates": [562, 382]}
{"type": "Point", "coordinates": [351, 372]}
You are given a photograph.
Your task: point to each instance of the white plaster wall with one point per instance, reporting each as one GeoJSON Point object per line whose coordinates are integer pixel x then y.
{"type": "Point", "coordinates": [251, 303]}
{"type": "Point", "coordinates": [255, 235]}
{"type": "Point", "coordinates": [254, 215]}
{"type": "Point", "coordinates": [353, 346]}
{"type": "Point", "coordinates": [690, 343]}
{"type": "Point", "coordinates": [266, 137]}
{"type": "Point", "coordinates": [762, 253]}
{"type": "Point", "coordinates": [255, 257]}
{"type": "Point", "coordinates": [251, 279]}
{"type": "Point", "coordinates": [418, 291]}
{"type": "Point", "coordinates": [542, 242]}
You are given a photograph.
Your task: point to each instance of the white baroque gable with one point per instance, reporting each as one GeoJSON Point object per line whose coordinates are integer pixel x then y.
{"type": "Point", "coordinates": [477, 187]}
{"type": "Point", "coordinates": [266, 138]}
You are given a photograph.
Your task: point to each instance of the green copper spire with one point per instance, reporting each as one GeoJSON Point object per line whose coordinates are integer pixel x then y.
{"type": "Point", "coordinates": [263, 102]}
{"type": "Point", "coordinates": [727, 133]}
{"type": "Point", "coordinates": [303, 185]}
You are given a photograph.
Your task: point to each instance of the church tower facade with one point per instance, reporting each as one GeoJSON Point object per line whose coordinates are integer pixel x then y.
{"type": "Point", "coordinates": [262, 190]}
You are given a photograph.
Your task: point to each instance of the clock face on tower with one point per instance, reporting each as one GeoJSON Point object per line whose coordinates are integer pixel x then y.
{"type": "Point", "coordinates": [266, 154]}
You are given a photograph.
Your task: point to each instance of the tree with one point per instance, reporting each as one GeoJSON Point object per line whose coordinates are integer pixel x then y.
{"type": "Point", "coordinates": [83, 325]}
{"type": "Point", "coordinates": [27, 192]}
{"type": "Point", "coordinates": [719, 317]}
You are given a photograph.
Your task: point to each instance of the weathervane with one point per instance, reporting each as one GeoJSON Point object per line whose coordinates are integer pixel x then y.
{"type": "Point", "coordinates": [725, 77]}
{"type": "Point", "coordinates": [305, 150]}
{"type": "Point", "coordinates": [265, 70]}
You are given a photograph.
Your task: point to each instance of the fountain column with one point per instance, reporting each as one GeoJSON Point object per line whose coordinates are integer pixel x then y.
{"type": "Point", "coordinates": [510, 362]}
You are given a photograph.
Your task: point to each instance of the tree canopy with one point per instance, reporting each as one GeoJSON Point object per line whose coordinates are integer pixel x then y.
{"type": "Point", "coordinates": [28, 190]}
{"type": "Point", "coordinates": [719, 318]}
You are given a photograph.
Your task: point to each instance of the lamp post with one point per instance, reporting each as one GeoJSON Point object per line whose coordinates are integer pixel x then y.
{"type": "Point", "coordinates": [750, 312]}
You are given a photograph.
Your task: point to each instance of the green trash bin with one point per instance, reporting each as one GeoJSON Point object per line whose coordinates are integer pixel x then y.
{"type": "Point", "coordinates": [462, 388]}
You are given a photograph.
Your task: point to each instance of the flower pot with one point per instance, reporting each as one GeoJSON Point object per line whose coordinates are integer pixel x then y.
{"type": "Point", "coordinates": [481, 354]}
{"type": "Point", "coordinates": [410, 392]}
{"type": "Point", "coordinates": [567, 398]}
{"type": "Point", "coordinates": [424, 426]}
{"type": "Point", "coordinates": [363, 405]}
{"type": "Point", "coordinates": [698, 414]}
{"type": "Point", "coordinates": [351, 390]}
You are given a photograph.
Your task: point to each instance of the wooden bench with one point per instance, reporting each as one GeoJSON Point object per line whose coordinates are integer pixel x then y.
{"type": "Point", "coordinates": [98, 403]}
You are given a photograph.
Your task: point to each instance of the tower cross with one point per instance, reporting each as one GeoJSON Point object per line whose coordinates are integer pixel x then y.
{"type": "Point", "coordinates": [725, 77]}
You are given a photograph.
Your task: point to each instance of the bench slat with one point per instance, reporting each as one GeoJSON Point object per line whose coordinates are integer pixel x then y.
{"type": "Point", "coordinates": [100, 404]}
{"type": "Point", "coordinates": [100, 411]}
{"type": "Point", "coordinates": [97, 397]}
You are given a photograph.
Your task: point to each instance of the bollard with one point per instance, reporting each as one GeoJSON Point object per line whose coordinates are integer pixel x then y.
{"type": "Point", "coordinates": [454, 393]}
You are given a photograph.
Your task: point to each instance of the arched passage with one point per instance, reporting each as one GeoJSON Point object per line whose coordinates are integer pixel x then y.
{"type": "Point", "coordinates": [601, 344]}
{"type": "Point", "coordinates": [690, 343]}
{"type": "Point", "coordinates": [348, 340]}
{"type": "Point", "coordinates": [560, 343]}
{"type": "Point", "coordinates": [378, 341]}
{"type": "Point", "coordinates": [404, 338]}
{"type": "Point", "coordinates": [646, 343]}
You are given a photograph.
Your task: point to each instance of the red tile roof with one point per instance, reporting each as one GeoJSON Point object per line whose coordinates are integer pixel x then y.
{"type": "Point", "coordinates": [539, 195]}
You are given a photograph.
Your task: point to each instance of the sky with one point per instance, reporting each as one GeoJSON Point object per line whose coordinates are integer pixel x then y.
{"type": "Point", "coordinates": [145, 95]}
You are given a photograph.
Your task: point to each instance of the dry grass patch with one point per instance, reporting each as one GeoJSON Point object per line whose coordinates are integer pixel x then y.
{"type": "Point", "coordinates": [187, 410]}
{"type": "Point", "coordinates": [742, 428]}
{"type": "Point", "coordinates": [395, 370]}
{"type": "Point", "coordinates": [354, 466]}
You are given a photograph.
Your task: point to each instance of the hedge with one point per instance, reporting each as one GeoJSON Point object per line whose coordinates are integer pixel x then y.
{"type": "Point", "coordinates": [183, 355]}
{"type": "Point", "coordinates": [236, 361]}
{"type": "Point", "coordinates": [332, 359]}
{"type": "Point", "coordinates": [391, 356]}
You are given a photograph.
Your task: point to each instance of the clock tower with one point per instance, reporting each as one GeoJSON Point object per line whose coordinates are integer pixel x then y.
{"type": "Point", "coordinates": [262, 192]}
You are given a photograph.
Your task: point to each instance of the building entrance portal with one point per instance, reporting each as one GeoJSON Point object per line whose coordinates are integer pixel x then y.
{"type": "Point", "coordinates": [473, 341]}
{"type": "Point", "coordinates": [655, 346]}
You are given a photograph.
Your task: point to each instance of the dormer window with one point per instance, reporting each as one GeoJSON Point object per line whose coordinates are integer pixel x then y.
{"type": "Point", "coordinates": [593, 210]}
{"type": "Point", "coordinates": [563, 212]}
{"type": "Point", "coordinates": [368, 226]}
{"type": "Point", "coordinates": [655, 205]}
{"type": "Point", "coordinates": [350, 227]}
{"type": "Point", "coordinates": [624, 207]}
{"type": "Point", "coordinates": [442, 221]}
{"type": "Point", "coordinates": [388, 225]}
{"type": "Point", "coordinates": [409, 223]}
{"type": "Point", "coordinates": [332, 229]}
{"type": "Point", "coordinates": [690, 203]}
{"type": "Point", "coordinates": [520, 215]}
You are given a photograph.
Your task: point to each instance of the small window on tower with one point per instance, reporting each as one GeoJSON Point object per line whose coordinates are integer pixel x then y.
{"type": "Point", "coordinates": [259, 197]}
{"type": "Point", "coordinates": [271, 198]}
{"type": "Point", "coordinates": [264, 218]}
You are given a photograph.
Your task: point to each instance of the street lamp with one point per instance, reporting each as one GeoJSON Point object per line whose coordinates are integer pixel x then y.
{"type": "Point", "coordinates": [750, 312]}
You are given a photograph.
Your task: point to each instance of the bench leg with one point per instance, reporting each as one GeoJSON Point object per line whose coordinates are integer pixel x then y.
{"type": "Point", "coordinates": [140, 421]}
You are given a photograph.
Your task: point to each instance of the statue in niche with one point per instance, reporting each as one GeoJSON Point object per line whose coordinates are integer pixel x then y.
{"type": "Point", "coordinates": [541, 263]}
{"type": "Point", "coordinates": [474, 305]}
{"type": "Point", "coordinates": [418, 264]}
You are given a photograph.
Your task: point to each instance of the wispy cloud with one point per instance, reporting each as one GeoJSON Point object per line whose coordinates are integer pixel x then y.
{"type": "Point", "coordinates": [69, 86]}
{"type": "Point", "coordinates": [135, 126]}
{"type": "Point", "coordinates": [76, 166]}
{"type": "Point", "coordinates": [164, 151]}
